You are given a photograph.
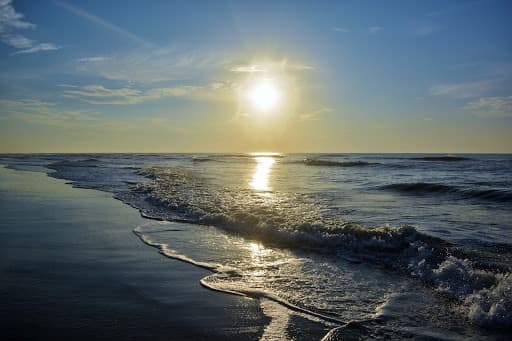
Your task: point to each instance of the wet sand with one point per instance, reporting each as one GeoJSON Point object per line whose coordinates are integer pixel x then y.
{"type": "Point", "coordinates": [71, 268]}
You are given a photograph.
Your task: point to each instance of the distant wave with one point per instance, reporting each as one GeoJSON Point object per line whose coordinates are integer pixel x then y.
{"type": "Point", "coordinates": [332, 155]}
{"type": "Point", "coordinates": [490, 194]}
{"type": "Point", "coordinates": [447, 158]}
{"type": "Point", "coordinates": [202, 159]}
{"type": "Point", "coordinates": [422, 188]}
{"type": "Point", "coordinates": [419, 187]}
{"type": "Point", "coordinates": [74, 163]}
{"type": "Point", "coordinates": [330, 163]}
{"type": "Point", "coordinates": [248, 155]}
{"type": "Point", "coordinates": [231, 157]}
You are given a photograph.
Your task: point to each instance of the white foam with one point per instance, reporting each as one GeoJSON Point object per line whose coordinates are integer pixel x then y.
{"type": "Point", "coordinates": [492, 307]}
{"type": "Point", "coordinates": [215, 281]}
{"type": "Point", "coordinates": [484, 296]}
{"type": "Point", "coordinates": [286, 221]}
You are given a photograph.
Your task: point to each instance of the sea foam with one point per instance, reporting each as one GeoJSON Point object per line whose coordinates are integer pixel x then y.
{"type": "Point", "coordinates": [482, 294]}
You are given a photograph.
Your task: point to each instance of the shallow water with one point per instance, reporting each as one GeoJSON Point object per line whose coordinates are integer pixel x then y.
{"type": "Point", "coordinates": [324, 234]}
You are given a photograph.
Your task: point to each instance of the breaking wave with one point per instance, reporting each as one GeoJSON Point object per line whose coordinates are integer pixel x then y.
{"type": "Point", "coordinates": [222, 274]}
{"type": "Point", "coordinates": [75, 163]}
{"type": "Point", "coordinates": [484, 296]}
{"type": "Point", "coordinates": [202, 159]}
{"type": "Point", "coordinates": [482, 292]}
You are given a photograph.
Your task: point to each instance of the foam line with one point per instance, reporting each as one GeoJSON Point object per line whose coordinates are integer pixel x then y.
{"type": "Point", "coordinates": [221, 269]}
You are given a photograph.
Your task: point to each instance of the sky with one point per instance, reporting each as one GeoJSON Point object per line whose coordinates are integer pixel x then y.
{"type": "Point", "coordinates": [178, 76]}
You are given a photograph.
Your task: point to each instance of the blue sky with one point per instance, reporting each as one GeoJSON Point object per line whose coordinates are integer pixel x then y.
{"type": "Point", "coordinates": [169, 76]}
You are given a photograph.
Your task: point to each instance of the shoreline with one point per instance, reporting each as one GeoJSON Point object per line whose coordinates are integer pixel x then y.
{"type": "Point", "coordinates": [69, 273]}
{"type": "Point", "coordinates": [191, 241]}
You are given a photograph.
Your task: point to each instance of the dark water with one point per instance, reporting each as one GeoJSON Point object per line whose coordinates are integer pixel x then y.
{"type": "Point", "coordinates": [405, 245]}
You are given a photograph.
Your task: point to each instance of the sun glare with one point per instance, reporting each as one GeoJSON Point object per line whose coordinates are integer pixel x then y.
{"type": "Point", "coordinates": [260, 178]}
{"type": "Point", "coordinates": [264, 95]}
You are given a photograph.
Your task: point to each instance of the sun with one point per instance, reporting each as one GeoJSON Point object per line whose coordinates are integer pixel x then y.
{"type": "Point", "coordinates": [264, 95]}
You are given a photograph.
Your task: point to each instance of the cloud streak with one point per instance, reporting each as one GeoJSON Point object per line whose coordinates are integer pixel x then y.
{"type": "Point", "coordinates": [492, 106]}
{"type": "Point", "coordinates": [340, 29]}
{"type": "Point", "coordinates": [41, 112]}
{"type": "Point", "coordinates": [38, 48]}
{"type": "Point", "coordinates": [315, 115]}
{"type": "Point", "coordinates": [98, 94]}
{"type": "Point", "coordinates": [10, 23]}
{"type": "Point", "coordinates": [427, 29]}
{"type": "Point", "coordinates": [94, 59]}
{"type": "Point", "coordinates": [247, 68]}
{"type": "Point", "coordinates": [270, 67]}
{"type": "Point", "coordinates": [374, 29]}
{"type": "Point", "coordinates": [154, 65]}
{"type": "Point", "coordinates": [49, 114]}
{"type": "Point", "coordinates": [461, 90]}
{"type": "Point", "coordinates": [103, 23]}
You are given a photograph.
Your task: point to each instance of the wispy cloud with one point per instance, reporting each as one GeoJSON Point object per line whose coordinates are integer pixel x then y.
{"type": "Point", "coordinates": [248, 68]}
{"type": "Point", "coordinates": [154, 65]}
{"type": "Point", "coordinates": [427, 29]}
{"type": "Point", "coordinates": [315, 115]}
{"type": "Point", "coordinates": [29, 104]}
{"type": "Point", "coordinates": [17, 41]}
{"type": "Point", "coordinates": [340, 29]}
{"type": "Point", "coordinates": [492, 106]}
{"type": "Point", "coordinates": [103, 23]}
{"type": "Point", "coordinates": [94, 59]}
{"type": "Point", "coordinates": [38, 47]}
{"type": "Point", "coordinates": [47, 113]}
{"type": "Point", "coordinates": [98, 94]}
{"type": "Point", "coordinates": [301, 67]}
{"type": "Point", "coordinates": [374, 29]}
{"type": "Point", "coordinates": [269, 67]}
{"type": "Point", "coordinates": [462, 90]}
{"type": "Point", "coordinates": [10, 23]}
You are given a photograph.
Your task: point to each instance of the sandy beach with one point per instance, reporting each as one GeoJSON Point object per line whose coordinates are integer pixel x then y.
{"type": "Point", "coordinates": [71, 268]}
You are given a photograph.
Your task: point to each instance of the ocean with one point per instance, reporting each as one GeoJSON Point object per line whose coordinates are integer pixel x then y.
{"type": "Point", "coordinates": [373, 246]}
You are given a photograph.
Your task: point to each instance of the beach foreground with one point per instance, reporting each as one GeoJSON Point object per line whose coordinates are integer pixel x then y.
{"type": "Point", "coordinates": [72, 269]}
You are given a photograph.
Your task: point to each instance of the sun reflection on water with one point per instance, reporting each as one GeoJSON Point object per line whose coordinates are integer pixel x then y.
{"type": "Point", "coordinates": [259, 261]}
{"type": "Point", "coordinates": [260, 178]}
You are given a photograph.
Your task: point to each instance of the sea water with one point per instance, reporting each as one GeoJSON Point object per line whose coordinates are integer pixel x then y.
{"type": "Point", "coordinates": [371, 245]}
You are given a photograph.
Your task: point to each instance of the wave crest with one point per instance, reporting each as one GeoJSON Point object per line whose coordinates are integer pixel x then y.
{"type": "Point", "coordinates": [330, 163]}
{"type": "Point", "coordinates": [423, 188]}
{"type": "Point", "coordinates": [448, 158]}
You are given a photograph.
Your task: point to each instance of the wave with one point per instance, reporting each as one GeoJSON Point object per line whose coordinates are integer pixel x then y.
{"type": "Point", "coordinates": [247, 155]}
{"type": "Point", "coordinates": [330, 163]}
{"type": "Point", "coordinates": [222, 275]}
{"type": "Point", "coordinates": [422, 188]}
{"type": "Point", "coordinates": [202, 159]}
{"type": "Point", "coordinates": [74, 163]}
{"type": "Point", "coordinates": [448, 158]}
{"type": "Point", "coordinates": [489, 194]}
{"type": "Point", "coordinates": [232, 157]}
{"type": "Point", "coordinates": [481, 290]}
{"type": "Point", "coordinates": [419, 187]}
{"type": "Point", "coordinates": [484, 296]}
